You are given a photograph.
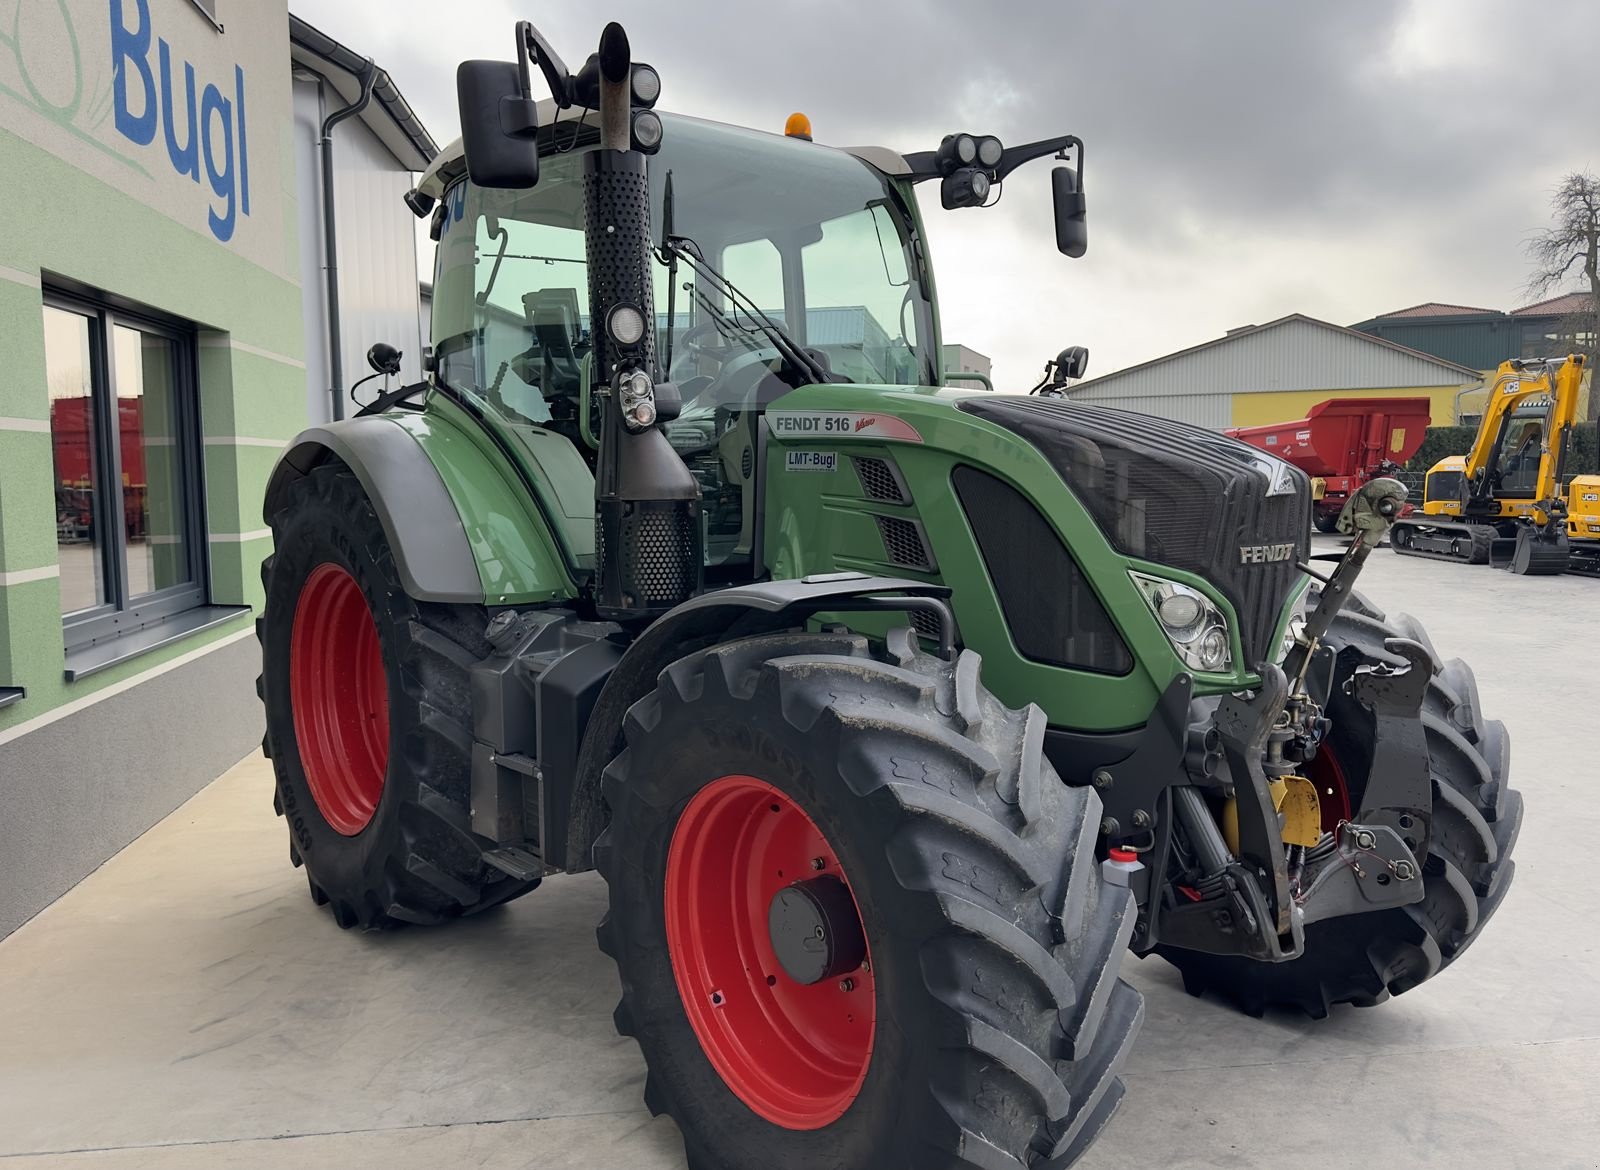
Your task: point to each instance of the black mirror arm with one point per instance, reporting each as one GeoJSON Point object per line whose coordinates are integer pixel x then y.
{"type": "Point", "coordinates": [532, 44]}
{"type": "Point", "coordinates": [925, 164]}
{"type": "Point", "coordinates": [1015, 156]}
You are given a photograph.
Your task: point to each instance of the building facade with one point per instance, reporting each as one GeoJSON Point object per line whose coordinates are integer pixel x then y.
{"type": "Point", "coordinates": [1483, 338]}
{"type": "Point", "coordinates": [164, 333]}
{"type": "Point", "coordinates": [1277, 372]}
{"type": "Point", "coordinates": [963, 359]}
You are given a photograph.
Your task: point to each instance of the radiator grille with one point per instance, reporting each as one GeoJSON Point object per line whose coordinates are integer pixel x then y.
{"type": "Point", "coordinates": [925, 624]}
{"type": "Point", "coordinates": [905, 543]}
{"type": "Point", "coordinates": [880, 480]}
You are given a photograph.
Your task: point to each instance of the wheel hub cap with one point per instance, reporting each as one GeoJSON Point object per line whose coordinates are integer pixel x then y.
{"type": "Point", "coordinates": [815, 930]}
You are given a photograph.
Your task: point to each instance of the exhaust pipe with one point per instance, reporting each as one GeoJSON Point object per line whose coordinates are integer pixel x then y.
{"type": "Point", "coordinates": [648, 533]}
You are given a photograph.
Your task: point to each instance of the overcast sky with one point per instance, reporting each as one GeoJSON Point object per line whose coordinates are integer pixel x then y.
{"type": "Point", "coordinates": [1252, 158]}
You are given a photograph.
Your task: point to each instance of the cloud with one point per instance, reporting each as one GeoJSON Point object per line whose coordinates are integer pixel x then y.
{"type": "Point", "coordinates": [1246, 158]}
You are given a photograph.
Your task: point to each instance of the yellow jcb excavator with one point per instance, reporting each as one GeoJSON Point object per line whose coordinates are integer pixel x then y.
{"type": "Point", "coordinates": [1503, 503]}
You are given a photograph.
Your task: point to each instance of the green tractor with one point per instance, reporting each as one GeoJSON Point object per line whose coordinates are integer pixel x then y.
{"type": "Point", "coordinates": [679, 566]}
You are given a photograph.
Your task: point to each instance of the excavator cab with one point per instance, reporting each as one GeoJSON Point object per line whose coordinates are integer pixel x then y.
{"type": "Point", "coordinates": [1503, 503]}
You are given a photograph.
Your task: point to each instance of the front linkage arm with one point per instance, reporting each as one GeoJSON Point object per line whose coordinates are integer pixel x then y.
{"type": "Point", "coordinates": [1254, 906]}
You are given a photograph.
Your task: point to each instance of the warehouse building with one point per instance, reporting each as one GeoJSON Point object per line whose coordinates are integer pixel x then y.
{"type": "Point", "coordinates": [166, 326]}
{"type": "Point", "coordinates": [963, 359]}
{"type": "Point", "coordinates": [1278, 371]}
{"type": "Point", "coordinates": [1483, 338]}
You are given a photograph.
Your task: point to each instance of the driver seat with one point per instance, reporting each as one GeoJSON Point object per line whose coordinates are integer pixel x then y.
{"type": "Point", "coordinates": [553, 315]}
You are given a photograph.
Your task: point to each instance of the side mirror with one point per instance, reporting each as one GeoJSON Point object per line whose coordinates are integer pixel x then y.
{"type": "Point", "coordinates": [499, 125]}
{"type": "Point", "coordinates": [1072, 229]}
{"type": "Point", "coordinates": [1072, 361]}
{"type": "Point", "coordinates": [384, 358]}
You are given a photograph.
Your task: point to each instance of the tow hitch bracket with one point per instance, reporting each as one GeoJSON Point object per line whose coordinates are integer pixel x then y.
{"type": "Point", "coordinates": [1370, 869]}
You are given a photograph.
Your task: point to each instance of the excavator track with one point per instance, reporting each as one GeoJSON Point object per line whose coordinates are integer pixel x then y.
{"type": "Point", "coordinates": [1585, 559]}
{"type": "Point", "coordinates": [1437, 540]}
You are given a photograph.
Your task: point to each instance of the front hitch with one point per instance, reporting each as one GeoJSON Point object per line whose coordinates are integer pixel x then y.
{"type": "Point", "coordinates": [1251, 904]}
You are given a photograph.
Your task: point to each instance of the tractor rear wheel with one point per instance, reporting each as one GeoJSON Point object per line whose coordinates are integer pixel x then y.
{"type": "Point", "coordinates": [858, 919]}
{"type": "Point", "coordinates": [369, 718]}
{"type": "Point", "coordinates": [1362, 959]}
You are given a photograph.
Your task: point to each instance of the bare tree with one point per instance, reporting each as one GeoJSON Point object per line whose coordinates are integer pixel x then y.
{"type": "Point", "coordinates": [1567, 252]}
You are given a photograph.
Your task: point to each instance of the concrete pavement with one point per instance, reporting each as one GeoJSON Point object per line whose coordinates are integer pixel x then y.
{"type": "Point", "coordinates": [188, 1008]}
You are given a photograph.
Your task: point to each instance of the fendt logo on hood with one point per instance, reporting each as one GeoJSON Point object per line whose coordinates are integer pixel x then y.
{"type": "Point", "coordinates": [1261, 554]}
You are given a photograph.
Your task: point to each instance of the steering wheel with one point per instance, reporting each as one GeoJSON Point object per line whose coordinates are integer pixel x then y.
{"type": "Point", "coordinates": [693, 343]}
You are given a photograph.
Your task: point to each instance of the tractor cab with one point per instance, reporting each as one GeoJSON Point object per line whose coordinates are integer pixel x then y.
{"type": "Point", "coordinates": [824, 244]}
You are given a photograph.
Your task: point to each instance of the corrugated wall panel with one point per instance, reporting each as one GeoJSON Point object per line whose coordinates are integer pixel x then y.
{"type": "Point", "coordinates": [1297, 355]}
{"type": "Point", "coordinates": [1252, 410]}
{"type": "Point", "coordinates": [1214, 411]}
{"type": "Point", "coordinates": [1483, 345]}
{"type": "Point", "coordinates": [377, 254]}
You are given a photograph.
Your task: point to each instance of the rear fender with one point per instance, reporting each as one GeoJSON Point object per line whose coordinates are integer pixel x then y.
{"type": "Point", "coordinates": [431, 553]}
{"type": "Point", "coordinates": [461, 529]}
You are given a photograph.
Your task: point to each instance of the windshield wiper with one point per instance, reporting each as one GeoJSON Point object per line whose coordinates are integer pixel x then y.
{"type": "Point", "coordinates": [803, 362]}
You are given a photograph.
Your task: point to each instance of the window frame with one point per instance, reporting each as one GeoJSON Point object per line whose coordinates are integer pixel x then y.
{"type": "Point", "coordinates": [208, 9]}
{"type": "Point", "coordinates": [122, 613]}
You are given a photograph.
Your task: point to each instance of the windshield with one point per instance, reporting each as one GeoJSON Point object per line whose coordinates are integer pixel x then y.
{"type": "Point", "coordinates": [815, 238]}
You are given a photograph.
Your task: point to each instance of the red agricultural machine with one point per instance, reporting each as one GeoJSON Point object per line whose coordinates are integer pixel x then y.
{"type": "Point", "coordinates": [72, 425]}
{"type": "Point", "coordinates": [1344, 443]}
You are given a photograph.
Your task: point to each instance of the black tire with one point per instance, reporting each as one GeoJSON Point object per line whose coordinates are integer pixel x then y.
{"type": "Point", "coordinates": [415, 861]}
{"type": "Point", "coordinates": [1325, 520]}
{"type": "Point", "coordinates": [1363, 959]}
{"type": "Point", "coordinates": [994, 941]}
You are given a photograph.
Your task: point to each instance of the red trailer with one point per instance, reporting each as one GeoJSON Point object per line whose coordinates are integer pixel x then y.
{"type": "Point", "coordinates": [1344, 442]}
{"type": "Point", "coordinates": [71, 420]}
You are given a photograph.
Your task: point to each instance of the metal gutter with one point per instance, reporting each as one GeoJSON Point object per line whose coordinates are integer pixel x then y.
{"type": "Point", "coordinates": [317, 48]}
{"type": "Point", "coordinates": [330, 235]}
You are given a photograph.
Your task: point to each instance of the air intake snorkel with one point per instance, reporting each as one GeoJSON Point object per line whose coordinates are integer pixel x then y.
{"type": "Point", "coordinates": [648, 537]}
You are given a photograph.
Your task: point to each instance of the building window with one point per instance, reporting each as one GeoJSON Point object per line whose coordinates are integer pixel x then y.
{"type": "Point", "coordinates": [209, 7]}
{"type": "Point", "coordinates": [125, 437]}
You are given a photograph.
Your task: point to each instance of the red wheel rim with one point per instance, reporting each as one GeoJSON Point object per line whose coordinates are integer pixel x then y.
{"type": "Point", "coordinates": [340, 696]}
{"type": "Point", "coordinates": [796, 1054]}
{"type": "Point", "coordinates": [1333, 792]}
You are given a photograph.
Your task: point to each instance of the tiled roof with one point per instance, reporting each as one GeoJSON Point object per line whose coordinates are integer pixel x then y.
{"type": "Point", "coordinates": [1555, 306]}
{"type": "Point", "coordinates": [1435, 309]}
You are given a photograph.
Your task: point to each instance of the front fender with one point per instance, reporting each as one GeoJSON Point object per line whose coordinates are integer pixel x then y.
{"type": "Point", "coordinates": [723, 615]}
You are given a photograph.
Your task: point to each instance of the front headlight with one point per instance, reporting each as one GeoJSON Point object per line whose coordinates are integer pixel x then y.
{"type": "Point", "coordinates": [1295, 626]}
{"type": "Point", "coordinates": [1194, 626]}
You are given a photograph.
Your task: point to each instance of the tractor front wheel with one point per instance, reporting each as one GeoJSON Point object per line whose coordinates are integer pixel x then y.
{"type": "Point", "coordinates": [858, 919]}
{"type": "Point", "coordinates": [1363, 959]}
{"type": "Point", "coordinates": [369, 717]}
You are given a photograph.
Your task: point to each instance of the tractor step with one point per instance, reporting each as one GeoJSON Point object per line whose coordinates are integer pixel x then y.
{"type": "Point", "coordinates": [515, 861]}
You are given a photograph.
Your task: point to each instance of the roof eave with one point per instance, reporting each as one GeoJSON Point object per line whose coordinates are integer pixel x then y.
{"type": "Point", "coordinates": [390, 117]}
{"type": "Point", "coordinates": [1240, 334]}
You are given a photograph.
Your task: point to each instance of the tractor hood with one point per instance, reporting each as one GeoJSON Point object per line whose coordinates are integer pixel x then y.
{"type": "Point", "coordinates": [1176, 495]}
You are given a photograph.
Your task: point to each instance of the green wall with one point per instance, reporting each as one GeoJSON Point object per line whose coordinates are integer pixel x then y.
{"type": "Point", "coordinates": [63, 222]}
